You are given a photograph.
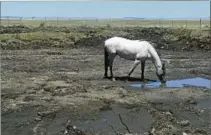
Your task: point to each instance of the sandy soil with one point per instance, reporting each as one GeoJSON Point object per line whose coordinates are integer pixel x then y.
{"type": "Point", "coordinates": [63, 92]}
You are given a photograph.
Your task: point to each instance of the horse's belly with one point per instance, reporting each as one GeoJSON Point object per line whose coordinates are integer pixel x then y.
{"type": "Point", "coordinates": [127, 56]}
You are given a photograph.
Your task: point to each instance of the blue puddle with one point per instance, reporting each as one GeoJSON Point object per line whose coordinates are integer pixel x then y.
{"type": "Point", "coordinates": [194, 82]}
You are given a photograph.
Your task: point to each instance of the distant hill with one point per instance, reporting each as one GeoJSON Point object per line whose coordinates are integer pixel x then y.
{"type": "Point", "coordinates": [133, 18]}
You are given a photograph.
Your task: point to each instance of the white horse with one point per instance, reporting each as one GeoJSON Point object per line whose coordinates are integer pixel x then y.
{"type": "Point", "coordinates": [135, 50]}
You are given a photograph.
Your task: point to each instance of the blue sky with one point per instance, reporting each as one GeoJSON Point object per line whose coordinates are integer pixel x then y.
{"type": "Point", "coordinates": [109, 9]}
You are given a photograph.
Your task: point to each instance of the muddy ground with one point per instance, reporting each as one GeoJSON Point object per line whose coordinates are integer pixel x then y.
{"type": "Point", "coordinates": [55, 92]}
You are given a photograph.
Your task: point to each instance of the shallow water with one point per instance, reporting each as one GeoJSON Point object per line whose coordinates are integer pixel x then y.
{"type": "Point", "coordinates": [18, 122]}
{"type": "Point", "coordinates": [194, 82]}
{"type": "Point", "coordinates": [138, 120]}
{"type": "Point", "coordinates": [204, 103]}
{"type": "Point", "coordinates": [22, 122]}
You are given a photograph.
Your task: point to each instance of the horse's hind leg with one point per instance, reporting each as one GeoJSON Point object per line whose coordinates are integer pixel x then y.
{"type": "Point", "coordinates": [133, 67]}
{"type": "Point", "coordinates": [111, 60]}
{"type": "Point", "coordinates": [106, 62]}
{"type": "Point", "coordinates": [106, 67]}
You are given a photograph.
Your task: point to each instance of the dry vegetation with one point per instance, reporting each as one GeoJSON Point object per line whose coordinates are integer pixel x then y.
{"type": "Point", "coordinates": [43, 36]}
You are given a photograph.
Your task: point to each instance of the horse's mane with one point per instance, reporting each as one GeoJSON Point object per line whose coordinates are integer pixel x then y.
{"type": "Point", "coordinates": [154, 45]}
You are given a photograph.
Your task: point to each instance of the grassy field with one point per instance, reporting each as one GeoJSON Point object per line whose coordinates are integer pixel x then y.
{"type": "Point", "coordinates": [193, 24]}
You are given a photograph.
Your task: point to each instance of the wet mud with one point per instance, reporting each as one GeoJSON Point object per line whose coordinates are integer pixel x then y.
{"type": "Point", "coordinates": [64, 92]}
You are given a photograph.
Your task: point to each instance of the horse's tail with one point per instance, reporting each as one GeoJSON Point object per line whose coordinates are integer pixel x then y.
{"type": "Point", "coordinates": [105, 61]}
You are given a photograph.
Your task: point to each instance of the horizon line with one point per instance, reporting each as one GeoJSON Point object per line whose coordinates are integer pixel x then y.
{"type": "Point", "coordinates": [100, 18]}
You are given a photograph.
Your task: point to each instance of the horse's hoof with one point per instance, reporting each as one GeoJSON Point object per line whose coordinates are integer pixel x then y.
{"type": "Point", "coordinates": [128, 79]}
{"type": "Point", "coordinates": [113, 79]}
{"type": "Point", "coordinates": [144, 80]}
{"type": "Point", "coordinates": [163, 81]}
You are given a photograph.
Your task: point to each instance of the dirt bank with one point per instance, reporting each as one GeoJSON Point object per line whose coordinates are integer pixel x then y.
{"type": "Point", "coordinates": [21, 37]}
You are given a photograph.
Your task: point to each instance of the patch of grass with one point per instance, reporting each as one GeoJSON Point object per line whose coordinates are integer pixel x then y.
{"type": "Point", "coordinates": [38, 40]}
{"type": "Point", "coordinates": [85, 36]}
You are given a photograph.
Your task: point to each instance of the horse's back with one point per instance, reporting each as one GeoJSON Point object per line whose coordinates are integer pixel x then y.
{"type": "Point", "coordinates": [126, 48]}
{"type": "Point", "coordinates": [114, 41]}
{"type": "Point", "coordinates": [127, 44]}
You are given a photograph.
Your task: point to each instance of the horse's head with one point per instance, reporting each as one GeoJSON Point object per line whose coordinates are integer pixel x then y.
{"type": "Point", "coordinates": [161, 73]}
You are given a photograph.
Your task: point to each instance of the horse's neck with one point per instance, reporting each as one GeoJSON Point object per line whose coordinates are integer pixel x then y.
{"type": "Point", "coordinates": [155, 58]}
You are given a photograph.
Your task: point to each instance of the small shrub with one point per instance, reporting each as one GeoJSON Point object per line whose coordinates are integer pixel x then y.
{"type": "Point", "coordinates": [108, 26]}
{"type": "Point", "coordinates": [42, 24]}
{"type": "Point", "coordinates": [17, 36]}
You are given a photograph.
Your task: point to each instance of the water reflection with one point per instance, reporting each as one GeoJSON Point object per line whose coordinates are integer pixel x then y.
{"type": "Point", "coordinates": [197, 82]}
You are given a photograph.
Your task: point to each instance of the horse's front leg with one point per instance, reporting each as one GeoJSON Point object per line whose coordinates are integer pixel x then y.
{"type": "Point", "coordinates": [133, 67]}
{"type": "Point", "coordinates": [142, 70]}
